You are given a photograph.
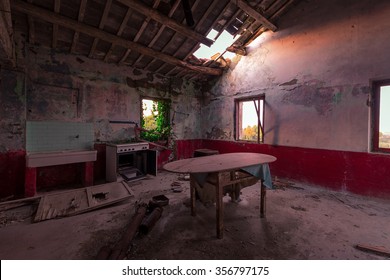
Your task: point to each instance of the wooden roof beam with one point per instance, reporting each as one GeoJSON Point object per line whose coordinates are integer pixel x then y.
{"type": "Point", "coordinates": [119, 33]}
{"type": "Point", "coordinates": [101, 25]}
{"type": "Point", "coordinates": [57, 4]}
{"type": "Point", "coordinates": [161, 29]}
{"type": "Point", "coordinates": [80, 18]}
{"type": "Point", "coordinates": [167, 44]}
{"type": "Point", "coordinates": [6, 31]}
{"type": "Point", "coordinates": [196, 47]}
{"type": "Point", "coordinates": [140, 31]}
{"type": "Point", "coordinates": [163, 19]}
{"type": "Point", "coordinates": [51, 17]}
{"type": "Point", "coordinates": [255, 14]}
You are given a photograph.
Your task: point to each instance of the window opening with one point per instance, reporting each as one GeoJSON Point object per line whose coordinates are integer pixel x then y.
{"type": "Point", "coordinates": [223, 41]}
{"type": "Point", "coordinates": [250, 119]}
{"type": "Point", "coordinates": [155, 124]}
{"type": "Point", "coordinates": [381, 116]}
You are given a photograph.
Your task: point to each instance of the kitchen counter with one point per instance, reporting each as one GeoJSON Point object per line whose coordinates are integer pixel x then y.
{"type": "Point", "coordinates": [39, 159]}
{"type": "Point", "coordinates": [36, 160]}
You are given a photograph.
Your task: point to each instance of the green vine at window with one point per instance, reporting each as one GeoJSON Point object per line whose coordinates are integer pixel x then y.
{"type": "Point", "coordinates": [157, 125]}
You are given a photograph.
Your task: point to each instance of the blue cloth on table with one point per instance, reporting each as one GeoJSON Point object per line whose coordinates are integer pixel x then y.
{"type": "Point", "coordinates": [260, 171]}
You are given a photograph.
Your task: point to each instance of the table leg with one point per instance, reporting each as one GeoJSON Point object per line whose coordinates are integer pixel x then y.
{"type": "Point", "coordinates": [192, 195]}
{"type": "Point", "coordinates": [219, 206]}
{"type": "Point", "coordinates": [262, 200]}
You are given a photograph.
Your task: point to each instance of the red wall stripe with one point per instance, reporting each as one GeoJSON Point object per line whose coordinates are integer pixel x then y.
{"type": "Point", "coordinates": [361, 173]}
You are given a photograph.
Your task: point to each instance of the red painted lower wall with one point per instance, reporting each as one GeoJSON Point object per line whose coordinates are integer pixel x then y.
{"type": "Point", "coordinates": [12, 166]}
{"type": "Point", "coordinates": [361, 173]}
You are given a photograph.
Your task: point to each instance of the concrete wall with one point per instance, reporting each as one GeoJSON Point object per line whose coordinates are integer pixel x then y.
{"type": "Point", "coordinates": [50, 86]}
{"type": "Point", "coordinates": [104, 92]}
{"type": "Point", "coordinates": [315, 72]}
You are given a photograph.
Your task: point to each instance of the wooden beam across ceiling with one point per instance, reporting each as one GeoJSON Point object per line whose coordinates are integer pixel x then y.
{"type": "Point", "coordinates": [107, 8]}
{"type": "Point", "coordinates": [54, 18]}
{"type": "Point", "coordinates": [31, 27]}
{"type": "Point", "coordinates": [255, 14]}
{"type": "Point", "coordinates": [80, 18]}
{"type": "Point", "coordinates": [172, 38]}
{"type": "Point", "coordinates": [140, 31]}
{"type": "Point", "coordinates": [6, 38]}
{"type": "Point", "coordinates": [159, 32]}
{"type": "Point", "coordinates": [157, 16]}
{"type": "Point", "coordinates": [57, 4]}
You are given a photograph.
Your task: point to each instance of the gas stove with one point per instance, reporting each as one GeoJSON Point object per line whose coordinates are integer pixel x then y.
{"type": "Point", "coordinates": [128, 147]}
{"type": "Point", "coordinates": [129, 161]}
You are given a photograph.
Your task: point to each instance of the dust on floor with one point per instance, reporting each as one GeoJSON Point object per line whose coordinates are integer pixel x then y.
{"type": "Point", "coordinates": [302, 222]}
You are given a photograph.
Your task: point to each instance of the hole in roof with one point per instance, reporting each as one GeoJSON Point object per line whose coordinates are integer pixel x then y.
{"type": "Point", "coordinates": [223, 41]}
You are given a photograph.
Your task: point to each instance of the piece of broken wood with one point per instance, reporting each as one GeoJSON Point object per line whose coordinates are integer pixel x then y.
{"type": "Point", "coordinates": [378, 250]}
{"type": "Point", "coordinates": [77, 201]}
{"type": "Point", "coordinates": [7, 205]}
{"type": "Point", "coordinates": [120, 249]}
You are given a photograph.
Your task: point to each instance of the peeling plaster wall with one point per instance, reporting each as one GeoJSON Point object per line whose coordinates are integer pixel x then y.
{"type": "Point", "coordinates": [12, 114]}
{"type": "Point", "coordinates": [111, 92]}
{"type": "Point", "coordinates": [50, 86]}
{"type": "Point", "coordinates": [315, 72]}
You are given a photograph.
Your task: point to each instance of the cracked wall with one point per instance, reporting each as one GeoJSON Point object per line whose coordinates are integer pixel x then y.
{"type": "Point", "coordinates": [315, 72]}
{"type": "Point", "coordinates": [60, 87]}
{"type": "Point", "coordinates": [50, 86]}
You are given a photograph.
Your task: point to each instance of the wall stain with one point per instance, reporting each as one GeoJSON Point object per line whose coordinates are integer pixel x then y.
{"type": "Point", "coordinates": [217, 133]}
{"type": "Point", "coordinates": [290, 83]}
{"type": "Point", "coordinates": [57, 68]}
{"type": "Point", "coordinates": [359, 89]}
{"type": "Point", "coordinates": [313, 94]}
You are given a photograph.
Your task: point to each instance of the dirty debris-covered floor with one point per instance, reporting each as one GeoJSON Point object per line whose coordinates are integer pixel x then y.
{"type": "Point", "coordinates": [302, 222]}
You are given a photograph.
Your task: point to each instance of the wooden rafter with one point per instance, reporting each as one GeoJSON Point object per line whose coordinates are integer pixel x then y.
{"type": "Point", "coordinates": [51, 17]}
{"type": "Point", "coordinates": [140, 31]}
{"type": "Point", "coordinates": [119, 33]}
{"type": "Point", "coordinates": [6, 32]}
{"type": "Point", "coordinates": [178, 27]}
{"type": "Point", "coordinates": [208, 31]}
{"type": "Point", "coordinates": [80, 18]}
{"type": "Point", "coordinates": [227, 23]}
{"type": "Point", "coordinates": [282, 9]}
{"type": "Point", "coordinates": [57, 4]}
{"type": "Point", "coordinates": [197, 25]}
{"type": "Point", "coordinates": [155, 38]}
{"type": "Point", "coordinates": [31, 27]}
{"type": "Point", "coordinates": [101, 25]}
{"type": "Point", "coordinates": [254, 14]}
{"type": "Point", "coordinates": [273, 17]}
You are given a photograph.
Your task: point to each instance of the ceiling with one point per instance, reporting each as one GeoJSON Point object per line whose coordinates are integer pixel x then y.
{"type": "Point", "coordinates": [155, 35]}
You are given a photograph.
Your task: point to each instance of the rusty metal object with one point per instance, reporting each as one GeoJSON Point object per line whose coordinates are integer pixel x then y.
{"type": "Point", "coordinates": [150, 220]}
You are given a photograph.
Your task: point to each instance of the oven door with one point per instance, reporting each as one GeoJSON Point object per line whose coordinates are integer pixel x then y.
{"type": "Point", "coordinates": [152, 162]}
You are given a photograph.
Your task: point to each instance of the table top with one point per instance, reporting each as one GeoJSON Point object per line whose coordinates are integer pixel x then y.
{"type": "Point", "coordinates": [217, 163]}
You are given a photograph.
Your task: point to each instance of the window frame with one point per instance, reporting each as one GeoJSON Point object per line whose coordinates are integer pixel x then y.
{"type": "Point", "coordinates": [260, 133]}
{"type": "Point", "coordinates": [375, 105]}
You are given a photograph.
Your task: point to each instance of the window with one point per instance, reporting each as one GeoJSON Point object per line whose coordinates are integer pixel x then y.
{"type": "Point", "coordinates": [381, 116]}
{"type": "Point", "coordinates": [250, 119]}
{"type": "Point", "coordinates": [155, 124]}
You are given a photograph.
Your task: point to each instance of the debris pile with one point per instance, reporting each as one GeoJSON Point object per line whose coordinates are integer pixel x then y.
{"type": "Point", "coordinates": [142, 222]}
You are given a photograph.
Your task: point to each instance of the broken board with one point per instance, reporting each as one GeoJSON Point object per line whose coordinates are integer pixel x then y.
{"type": "Point", "coordinates": [78, 201]}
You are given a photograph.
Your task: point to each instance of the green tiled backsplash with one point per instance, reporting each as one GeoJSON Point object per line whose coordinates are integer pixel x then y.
{"type": "Point", "coordinates": [56, 136]}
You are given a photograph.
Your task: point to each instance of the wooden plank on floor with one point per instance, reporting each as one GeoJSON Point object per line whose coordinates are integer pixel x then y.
{"type": "Point", "coordinates": [73, 202]}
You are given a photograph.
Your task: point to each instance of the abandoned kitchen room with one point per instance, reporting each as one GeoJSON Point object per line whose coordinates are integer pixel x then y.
{"type": "Point", "coordinates": [188, 129]}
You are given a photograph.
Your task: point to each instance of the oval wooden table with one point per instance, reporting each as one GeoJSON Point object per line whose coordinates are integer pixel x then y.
{"type": "Point", "coordinates": [223, 168]}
